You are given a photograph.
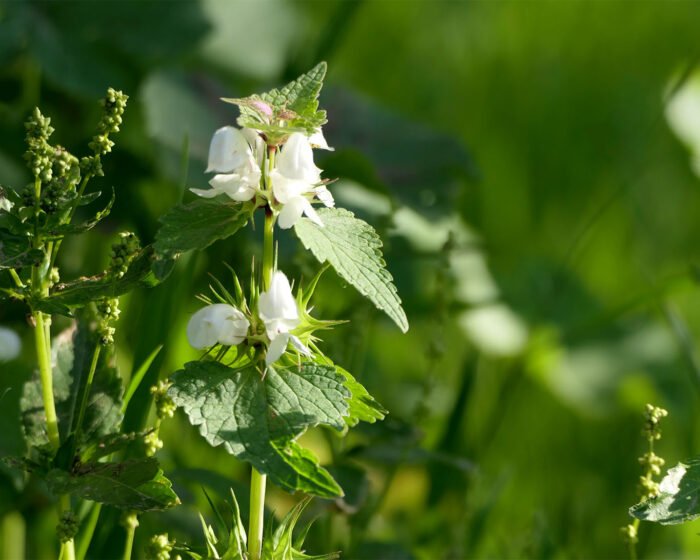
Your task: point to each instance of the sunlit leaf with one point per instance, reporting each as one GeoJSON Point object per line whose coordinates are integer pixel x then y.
{"type": "Point", "coordinates": [354, 250]}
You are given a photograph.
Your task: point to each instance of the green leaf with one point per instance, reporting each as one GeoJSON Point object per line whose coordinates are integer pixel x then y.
{"type": "Point", "coordinates": [295, 106]}
{"type": "Point", "coordinates": [679, 497]}
{"type": "Point", "coordinates": [68, 229]}
{"type": "Point", "coordinates": [353, 248]}
{"type": "Point", "coordinates": [111, 443]}
{"type": "Point", "coordinates": [17, 251]}
{"type": "Point", "coordinates": [71, 354]}
{"type": "Point", "coordinates": [133, 485]}
{"type": "Point", "coordinates": [200, 223]}
{"type": "Point", "coordinates": [143, 270]}
{"type": "Point", "coordinates": [282, 545]}
{"type": "Point", "coordinates": [256, 419]}
{"type": "Point", "coordinates": [362, 406]}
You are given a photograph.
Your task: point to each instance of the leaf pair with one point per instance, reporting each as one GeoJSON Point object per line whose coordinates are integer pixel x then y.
{"type": "Point", "coordinates": [258, 418]}
{"type": "Point", "coordinates": [349, 244]}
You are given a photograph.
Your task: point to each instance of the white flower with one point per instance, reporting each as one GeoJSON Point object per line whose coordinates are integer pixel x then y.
{"type": "Point", "coordinates": [10, 344]}
{"type": "Point", "coordinates": [296, 180]}
{"type": "Point", "coordinates": [278, 310]}
{"type": "Point", "coordinates": [219, 323]}
{"type": "Point", "coordinates": [317, 140]}
{"type": "Point", "coordinates": [236, 156]}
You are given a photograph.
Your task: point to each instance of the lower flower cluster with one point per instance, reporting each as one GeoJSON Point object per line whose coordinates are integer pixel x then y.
{"type": "Point", "coordinates": [273, 322]}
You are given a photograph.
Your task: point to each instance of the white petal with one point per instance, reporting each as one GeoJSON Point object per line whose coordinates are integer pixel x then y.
{"type": "Point", "coordinates": [277, 347]}
{"type": "Point", "coordinates": [310, 213]}
{"type": "Point", "coordinates": [317, 140]}
{"type": "Point", "coordinates": [292, 211]}
{"type": "Point", "coordinates": [285, 188]}
{"type": "Point", "coordinates": [278, 302]}
{"type": "Point", "coordinates": [206, 193]}
{"type": "Point", "coordinates": [233, 185]}
{"type": "Point", "coordinates": [257, 144]}
{"type": "Point", "coordinates": [299, 345]}
{"type": "Point", "coordinates": [217, 324]}
{"type": "Point", "coordinates": [228, 150]}
{"type": "Point", "coordinates": [10, 344]}
{"type": "Point", "coordinates": [325, 196]}
{"type": "Point", "coordinates": [296, 160]}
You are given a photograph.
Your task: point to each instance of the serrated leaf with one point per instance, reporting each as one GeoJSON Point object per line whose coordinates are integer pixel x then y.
{"type": "Point", "coordinates": [292, 108]}
{"type": "Point", "coordinates": [68, 229]}
{"type": "Point", "coordinates": [143, 270]}
{"type": "Point", "coordinates": [200, 223]}
{"type": "Point", "coordinates": [353, 248]}
{"type": "Point", "coordinates": [105, 446]}
{"type": "Point", "coordinates": [679, 497]}
{"type": "Point", "coordinates": [132, 485]}
{"type": "Point", "coordinates": [17, 252]}
{"type": "Point", "coordinates": [362, 407]}
{"type": "Point", "coordinates": [257, 419]}
{"type": "Point", "coordinates": [71, 354]}
{"type": "Point", "coordinates": [282, 545]}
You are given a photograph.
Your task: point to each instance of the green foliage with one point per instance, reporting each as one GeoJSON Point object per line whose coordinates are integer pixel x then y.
{"type": "Point", "coordinates": [362, 407]}
{"type": "Point", "coordinates": [16, 251]}
{"type": "Point", "coordinates": [353, 248]}
{"type": "Point", "coordinates": [295, 106]}
{"type": "Point", "coordinates": [282, 545]}
{"type": "Point", "coordinates": [257, 419]}
{"type": "Point", "coordinates": [200, 223]}
{"type": "Point", "coordinates": [678, 499]}
{"type": "Point", "coordinates": [72, 352]}
{"type": "Point", "coordinates": [136, 484]}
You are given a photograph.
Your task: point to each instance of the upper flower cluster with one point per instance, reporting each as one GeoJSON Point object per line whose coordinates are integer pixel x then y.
{"type": "Point", "coordinates": [288, 181]}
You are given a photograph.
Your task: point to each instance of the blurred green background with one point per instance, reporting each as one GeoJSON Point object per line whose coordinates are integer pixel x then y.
{"type": "Point", "coordinates": [532, 169]}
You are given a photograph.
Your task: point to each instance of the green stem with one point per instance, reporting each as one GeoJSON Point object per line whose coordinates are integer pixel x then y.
{"type": "Point", "coordinates": [16, 278]}
{"type": "Point", "coordinates": [43, 354]}
{"type": "Point", "coordinates": [258, 480]}
{"type": "Point", "coordinates": [13, 535]}
{"type": "Point", "coordinates": [68, 547]}
{"type": "Point", "coordinates": [89, 531]}
{"type": "Point", "coordinates": [53, 252]}
{"type": "Point", "coordinates": [88, 387]}
{"type": "Point", "coordinates": [257, 513]}
{"type": "Point", "coordinates": [130, 532]}
{"type": "Point", "coordinates": [268, 248]}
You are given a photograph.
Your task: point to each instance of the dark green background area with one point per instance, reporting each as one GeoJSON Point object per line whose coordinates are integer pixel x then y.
{"type": "Point", "coordinates": [540, 218]}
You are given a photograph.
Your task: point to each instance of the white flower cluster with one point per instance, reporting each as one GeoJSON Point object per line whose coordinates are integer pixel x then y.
{"type": "Point", "coordinates": [224, 324]}
{"type": "Point", "coordinates": [237, 156]}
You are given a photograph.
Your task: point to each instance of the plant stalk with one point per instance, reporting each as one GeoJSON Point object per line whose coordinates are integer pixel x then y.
{"type": "Point", "coordinates": [257, 513]}
{"type": "Point", "coordinates": [67, 547]}
{"type": "Point", "coordinates": [257, 480]}
{"type": "Point", "coordinates": [43, 354]}
{"type": "Point", "coordinates": [130, 532]}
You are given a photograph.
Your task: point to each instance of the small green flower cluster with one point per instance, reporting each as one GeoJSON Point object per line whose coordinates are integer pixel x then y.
{"type": "Point", "coordinates": [39, 154]}
{"type": "Point", "coordinates": [107, 314]}
{"type": "Point", "coordinates": [165, 407]}
{"type": "Point", "coordinates": [67, 526]}
{"type": "Point", "coordinates": [653, 414]}
{"type": "Point", "coordinates": [123, 252]}
{"type": "Point", "coordinates": [160, 547]}
{"type": "Point", "coordinates": [651, 464]}
{"type": "Point", "coordinates": [114, 105]}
